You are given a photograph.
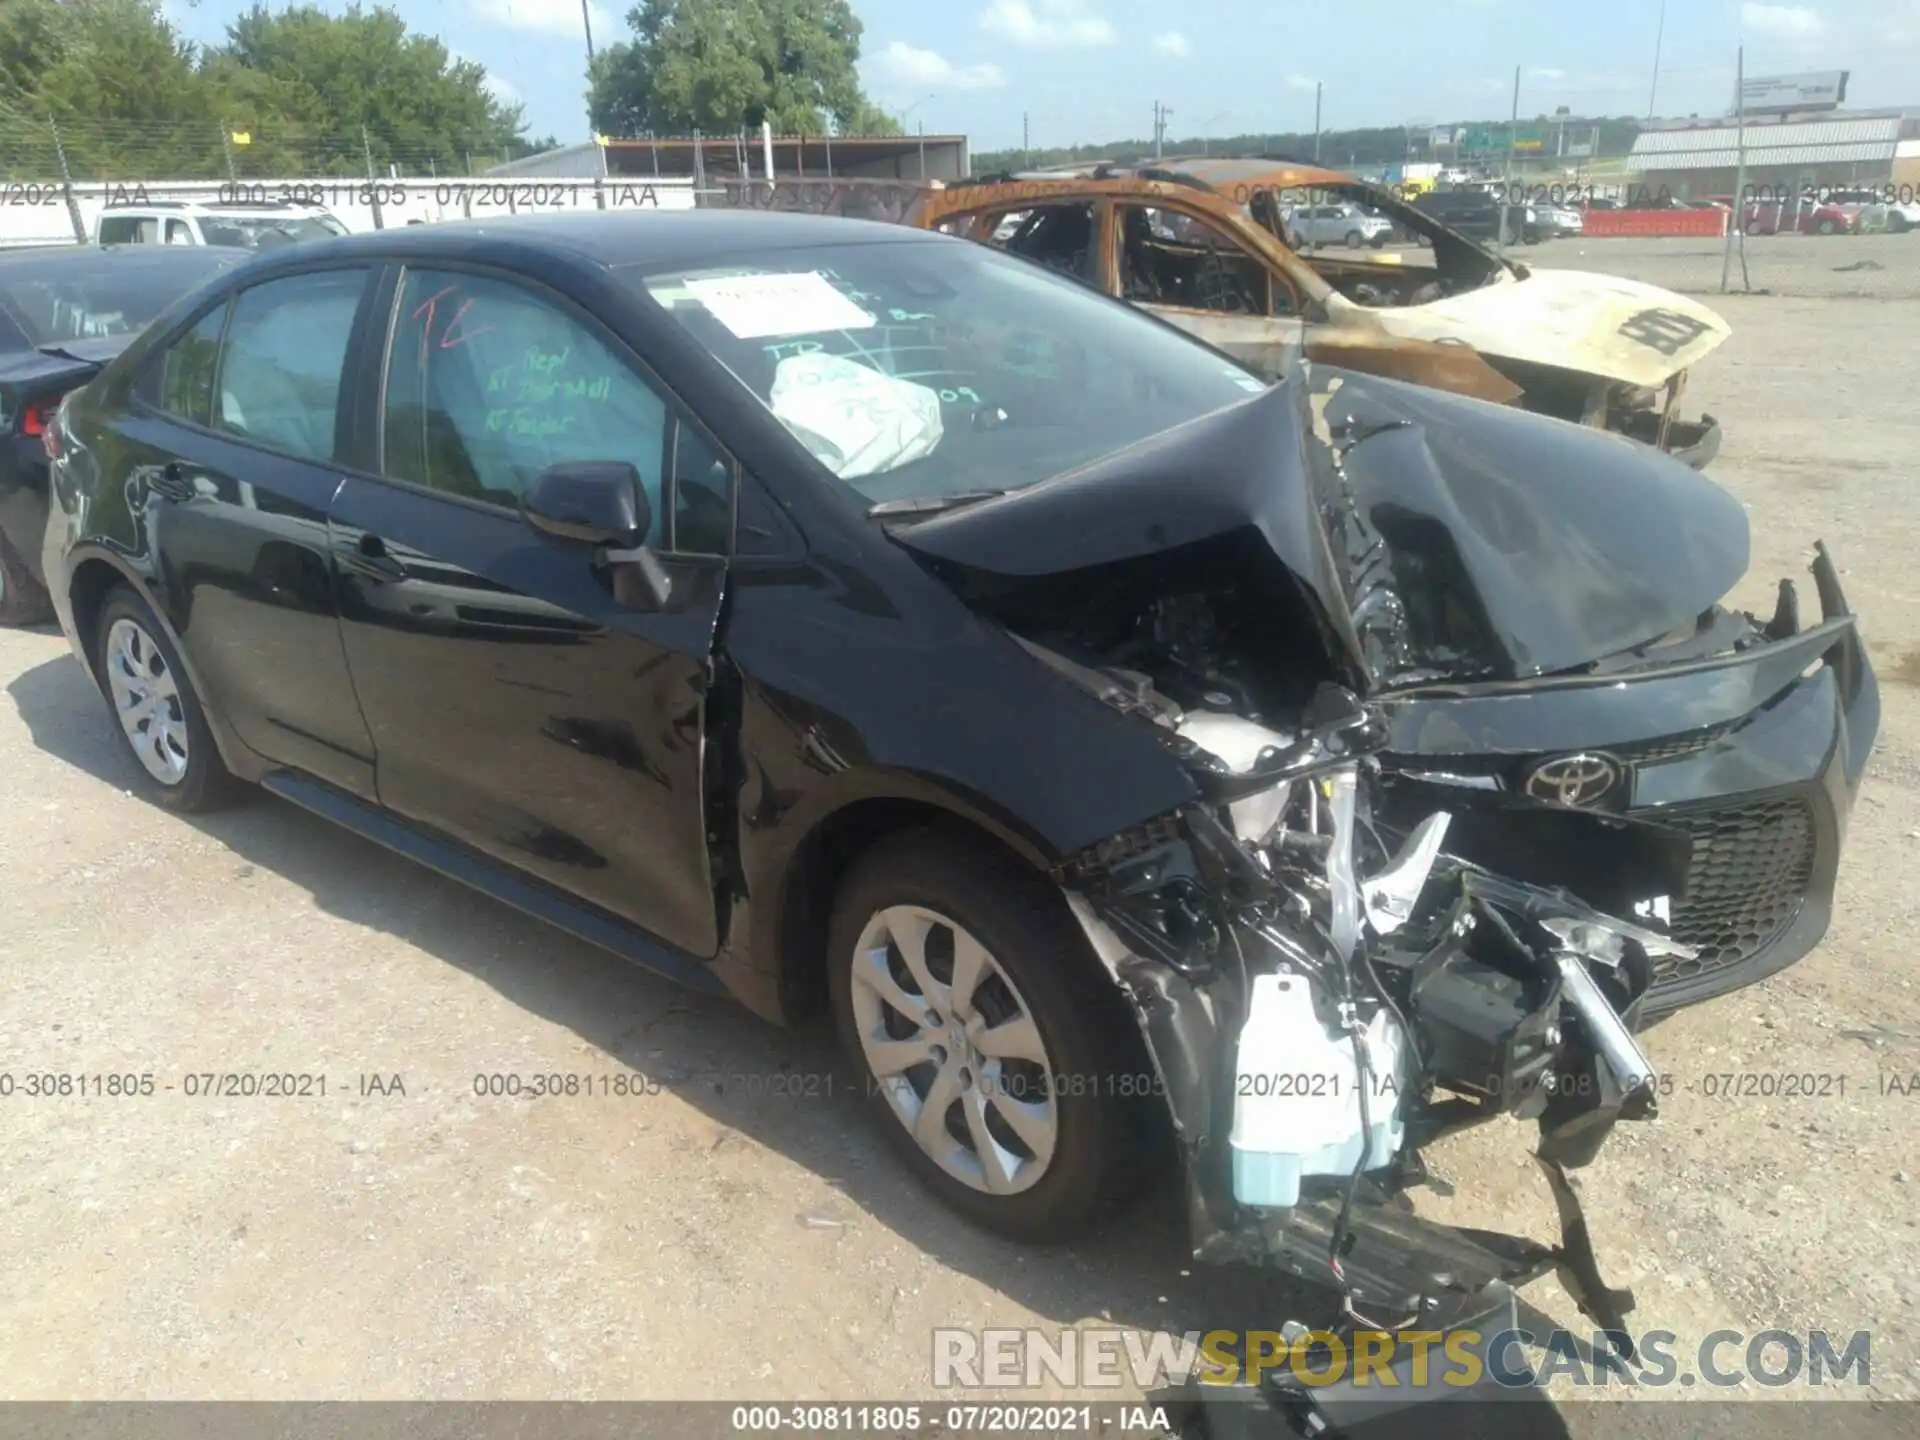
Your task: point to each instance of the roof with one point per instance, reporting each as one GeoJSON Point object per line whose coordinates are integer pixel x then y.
{"type": "Point", "coordinates": [49, 259]}
{"type": "Point", "coordinates": [1274, 174]}
{"type": "Point", "coordinates": [1810, 142]}
{"type": "Point", "coordinates": [620, 237]}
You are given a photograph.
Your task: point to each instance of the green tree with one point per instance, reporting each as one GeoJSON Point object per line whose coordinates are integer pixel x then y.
{"type": "Point", "coordinates": [114, 77]}
{"type": "Point", "coordinates": [720, 66]}
{"type": "Point", "coordinates": [305, 84]}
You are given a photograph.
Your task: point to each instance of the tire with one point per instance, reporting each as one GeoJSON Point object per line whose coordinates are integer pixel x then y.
{"type": "Point", "coordinates": [948, 891]}
{"type": "Point", "coordinates": [23, 599]}
{"type": "Point", "coordinates": [1355, 240]}
{"type": "Point", "coordinates": [176, 764]}
{"type": "Point", "coordinates": [1825, 227]}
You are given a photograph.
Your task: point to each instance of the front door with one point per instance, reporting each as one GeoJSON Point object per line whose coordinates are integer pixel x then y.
{"type": "Point", "coordinates": [515, 704]}
{"type": "Point", "coordinates": [1189, 271]}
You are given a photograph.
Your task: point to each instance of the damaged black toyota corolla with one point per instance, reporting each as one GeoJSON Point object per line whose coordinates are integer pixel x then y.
{"type": "Point", "coordinates": [844, 616]}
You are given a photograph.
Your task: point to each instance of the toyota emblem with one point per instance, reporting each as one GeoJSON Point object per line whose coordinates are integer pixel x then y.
{"type": "Point", "coordinates": [1574, 779]}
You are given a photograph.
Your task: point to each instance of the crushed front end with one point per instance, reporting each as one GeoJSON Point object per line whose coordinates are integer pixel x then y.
{"type": "Point", "coordinates": [1319, 1011]}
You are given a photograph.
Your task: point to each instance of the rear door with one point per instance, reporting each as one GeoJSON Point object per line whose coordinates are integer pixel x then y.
{"type": "Point", "coordinates": [515, 705]}
{"type": "Point", "coordinates": [230, 457]}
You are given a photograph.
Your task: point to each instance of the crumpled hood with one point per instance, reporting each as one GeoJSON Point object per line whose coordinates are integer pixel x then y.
{"type": "Point", "coordinates": [1433, 536]}
{"type": "Point", "coordinates": [1603, 325]}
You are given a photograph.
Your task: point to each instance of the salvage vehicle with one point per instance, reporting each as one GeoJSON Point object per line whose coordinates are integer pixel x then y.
{"type": "Point", "coordinates": [1596, 349]}
{"type": "Point", "coordinates": [65, 310]}
{"type": "Point", "coordinates": [855, 620]}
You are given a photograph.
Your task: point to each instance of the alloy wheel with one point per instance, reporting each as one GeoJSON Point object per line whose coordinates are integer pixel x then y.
{"type": "Point", "coordinates": [146, 700]}
{"type": "Point", "coordinates": [953, 1046]}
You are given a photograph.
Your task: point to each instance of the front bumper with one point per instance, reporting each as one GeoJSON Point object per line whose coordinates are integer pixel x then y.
{"type": "Point", "coordinates": [1755, 759]}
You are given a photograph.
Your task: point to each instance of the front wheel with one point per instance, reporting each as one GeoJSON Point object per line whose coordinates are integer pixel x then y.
{"type": "Point", "coordinates": [1826, 227]}
{"type": "Point", "coordinates": [1355, 239]}
{"type": "Point", "coordinates": [996, 1068]}
{"type": "Point", "coordinates": [155, 708]}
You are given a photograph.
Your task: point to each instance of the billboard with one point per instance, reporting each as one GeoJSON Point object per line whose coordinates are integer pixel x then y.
{"type": "Point", "coordinates": [1778, 94]}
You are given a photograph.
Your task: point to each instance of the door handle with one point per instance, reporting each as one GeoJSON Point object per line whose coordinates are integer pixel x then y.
{"type": "Point", "coordinates": [371, 560]}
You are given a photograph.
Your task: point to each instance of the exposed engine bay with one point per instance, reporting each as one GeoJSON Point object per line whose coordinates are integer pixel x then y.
{"type": "Point", "coordinates": [1321, 1006]}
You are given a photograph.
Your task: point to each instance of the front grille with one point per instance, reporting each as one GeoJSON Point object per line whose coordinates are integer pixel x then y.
{"type": "Point", "coordinates": [1672, 747]}
{"type": "Point", "coordinates": [1752, 864]}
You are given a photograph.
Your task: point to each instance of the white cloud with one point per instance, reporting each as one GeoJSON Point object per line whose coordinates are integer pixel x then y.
{"type": "Point", "coordinates": [909, 67]}
{"type": "Point", "coordinates": [1173, 43]}
{"type": "Point", "coordinates": [1548, 74]}
{"type": "Point", "coordinates": [554, 17]}
{"type": "Point", "coordinates": [1297, 81]}
{"type": "Point", "coordinates": [1794, 22]}
{"type": "Point", "coordinates": [1047, 24]}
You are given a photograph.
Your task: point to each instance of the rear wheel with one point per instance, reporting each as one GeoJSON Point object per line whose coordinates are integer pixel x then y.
{"type": "Point", "coordinates": [156, 710]}
{"type": "Point", "coordinates": [23, 599]}
{"type": "Point", "coordinates": [962, 991]}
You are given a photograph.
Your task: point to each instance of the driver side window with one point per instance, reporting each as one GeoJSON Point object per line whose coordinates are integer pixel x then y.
{"type": "Point", "coordinates": [489, 384]}
{"type": "Point", "coordinates": [1186, 261]}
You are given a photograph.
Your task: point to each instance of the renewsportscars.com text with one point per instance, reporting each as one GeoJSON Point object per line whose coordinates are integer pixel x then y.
{"type": "Point", "coordinates": [1111, 1358]}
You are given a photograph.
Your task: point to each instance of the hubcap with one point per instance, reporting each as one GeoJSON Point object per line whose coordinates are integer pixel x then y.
{"type": "Point", "coordinates": [147, 701]}
{"type": "Point", "coordinates": [955, 1050]}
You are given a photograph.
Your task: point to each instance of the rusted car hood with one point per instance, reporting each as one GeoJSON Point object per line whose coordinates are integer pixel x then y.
{"type": "Point", "coordinates": [1599, 324]}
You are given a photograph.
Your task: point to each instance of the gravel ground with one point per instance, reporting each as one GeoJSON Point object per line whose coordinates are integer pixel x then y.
{"type": "Point", "coordinates": [711, 1239]}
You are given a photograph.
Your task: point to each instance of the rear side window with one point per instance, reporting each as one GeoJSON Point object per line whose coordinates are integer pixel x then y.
{"type": "Point", "coordinates": [119, 230]}
{"type": "Point", "coordinates": [187, 370]}
{"type": "Point", "coordinates": [280, 371]}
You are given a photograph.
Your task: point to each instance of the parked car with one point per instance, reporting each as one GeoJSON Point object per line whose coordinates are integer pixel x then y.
{"type": "Point", "coordinates": [849, 618]}
{"type": "Point", "coordinates": [65, 311]}
{"type": "Point", "coordinates": [1477, 214]}
{"type": "Point", "coordinates": [1347, 224]}
{"type": "Point", "coordinates": [1772, 217]}
{"type": "Point", "coordinates": [1555, 222]}
{"type": "Point", "coordinates": [240, 224]}
{"type": "Point", "coordinates": [1875, 211]}
{"type": "Point", "coordinates": [1599, 349]}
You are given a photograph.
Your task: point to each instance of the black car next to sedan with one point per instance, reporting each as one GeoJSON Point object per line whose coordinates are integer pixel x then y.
{"type": "Point", "coordinates": [854, 619]}
{"type": "Point", "coordinates": [64, 312]}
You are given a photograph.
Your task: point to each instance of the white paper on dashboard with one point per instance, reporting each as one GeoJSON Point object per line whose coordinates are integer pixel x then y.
{"type": "Point", "coordinates": [753, 307]}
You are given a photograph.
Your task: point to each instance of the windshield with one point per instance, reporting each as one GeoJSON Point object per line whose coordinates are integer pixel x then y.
{"type": "Point", "coordinates": [927, 368]}
{"type": "Point", "coordinates": [88, 294]}
{"type": "Point", "coordinates": [265, 232]}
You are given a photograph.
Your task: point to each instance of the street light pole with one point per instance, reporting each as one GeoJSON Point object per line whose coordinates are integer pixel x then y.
{"type": "Point", "coordinates": [1316, 122]}
{"type": "Point", "coordinates": [1659, 35]}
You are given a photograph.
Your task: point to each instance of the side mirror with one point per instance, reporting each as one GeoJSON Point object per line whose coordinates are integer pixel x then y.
{"type": "Point", "coordinates": [601, 503]}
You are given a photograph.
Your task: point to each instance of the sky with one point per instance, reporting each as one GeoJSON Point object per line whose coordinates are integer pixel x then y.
{"type": "Point", "coordinates": [1083, 71]}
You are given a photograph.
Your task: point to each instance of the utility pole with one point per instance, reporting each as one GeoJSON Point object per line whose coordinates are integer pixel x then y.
{"type": "Point", "coordinates": [1506, 191]}
{"type": "Point", "coordinates": [1026, 143]}
{"type": "Point", "coordinates": [1658, 35]}
{"type": "Point", "coordinates": [1734, 226]}
{"type": "Point", "coordinates": [586, 19]}
{"type": "Point", "coordinates": [373, 185]}
{"type": "Point", "coordinates": [1316, 122]}
{"type": "Point", "coordinates": [1160, 114]}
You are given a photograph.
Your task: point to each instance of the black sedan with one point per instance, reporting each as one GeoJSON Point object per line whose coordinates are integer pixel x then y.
{"type": "Point", "coordinates": [64, 312]}
{"type": "Point", "coordinates": [850, 618]}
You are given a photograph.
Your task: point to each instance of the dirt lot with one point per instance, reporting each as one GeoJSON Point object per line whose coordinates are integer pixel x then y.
{"type": "Point", "coordinates": [714, 1240]}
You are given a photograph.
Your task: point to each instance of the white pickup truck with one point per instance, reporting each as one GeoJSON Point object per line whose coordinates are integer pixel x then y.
{"type": "Point", "coordinates": [244, 225]}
